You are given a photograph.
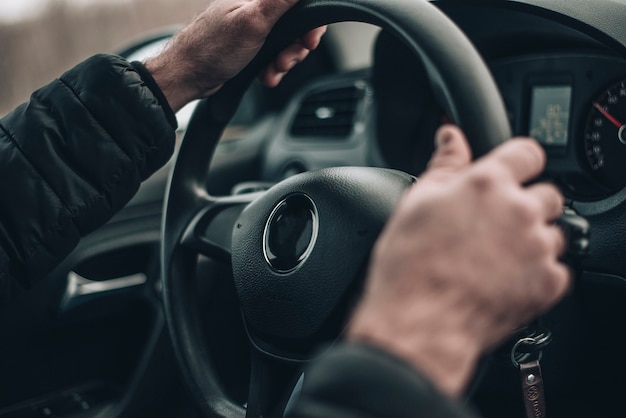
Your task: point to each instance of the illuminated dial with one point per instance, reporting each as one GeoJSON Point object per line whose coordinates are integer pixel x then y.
{"type": "Point", "coordinates": [605, 136]}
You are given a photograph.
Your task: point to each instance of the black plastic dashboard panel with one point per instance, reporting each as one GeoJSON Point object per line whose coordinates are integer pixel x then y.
{"type": "Point", "coordinates": [287, 153]}
{"type": "Point", "coordinates": [602, 22]}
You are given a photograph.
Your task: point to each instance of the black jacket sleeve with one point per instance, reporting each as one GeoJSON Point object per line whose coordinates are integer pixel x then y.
{"type": "Point", "coordinates": [357, 380]}
{"type": "Point", "coordinates": [70, 158]}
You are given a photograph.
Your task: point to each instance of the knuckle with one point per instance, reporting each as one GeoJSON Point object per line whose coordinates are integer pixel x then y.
{"type": "Point", "coordinates": [557, 283]}
{"type": "Point", "coordinates": [556, 200]}
{"type": "Point", "coordinates": [561, 242]}
{"type": "Point", "coordinates": [554, 191]}
{"type": "Point", "coordinates": [530, 150]}
{"type": "Point", "coordinates": [522, 158]}
{"type": "Point", "coordinates": [261, 15]}
{"type": "Point", "coordinates": [483, 179]}
{"type": "Point", "coordinates": [249, 20]}
{"type": "Point", "coordinates": [526, 211]}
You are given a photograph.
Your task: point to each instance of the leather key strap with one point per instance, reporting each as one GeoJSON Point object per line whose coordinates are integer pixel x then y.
{"type": "Point", "coordinates": [532, 387]}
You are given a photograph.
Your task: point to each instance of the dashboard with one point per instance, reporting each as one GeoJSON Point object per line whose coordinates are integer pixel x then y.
{"type": "Point", "coordinates": [570, 103]}
{"type": "Point", "coordinates": [560, 66]}
{"type": "Point", "coordinates": [562, 76]}
{"type": "Point", "coordinates": [561, 70]}
{"type": "Point", "coordinates": [561, 86]}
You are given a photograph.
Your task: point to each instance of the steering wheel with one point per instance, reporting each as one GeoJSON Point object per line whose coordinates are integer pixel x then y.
{"type": "Point", "coordinates": [299, 250]}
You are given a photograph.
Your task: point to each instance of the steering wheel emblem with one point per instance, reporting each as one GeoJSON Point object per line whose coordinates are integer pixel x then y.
{"type": "Point", "coordinates": [290, 233]}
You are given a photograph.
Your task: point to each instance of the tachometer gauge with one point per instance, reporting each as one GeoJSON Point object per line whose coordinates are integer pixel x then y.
{"type": "Point", "coordinates": [605, 136]}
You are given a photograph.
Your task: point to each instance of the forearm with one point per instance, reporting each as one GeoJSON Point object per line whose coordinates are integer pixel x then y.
{"type": "Point", "coordinates": [440, 343]}
{"type": "Point", "coordinates": [75, 154]}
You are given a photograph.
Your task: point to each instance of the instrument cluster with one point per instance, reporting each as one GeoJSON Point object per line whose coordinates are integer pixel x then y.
{"type": "Point", "coordinates": [575, 106]}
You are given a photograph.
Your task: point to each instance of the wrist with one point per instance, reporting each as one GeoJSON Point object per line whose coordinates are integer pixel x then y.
{"type": "Point", "coordinates": [176, 93]}
{"type": "Point", "coordinates": [176, 83]}
{"type": "Point", "coordinates": [436, 346]}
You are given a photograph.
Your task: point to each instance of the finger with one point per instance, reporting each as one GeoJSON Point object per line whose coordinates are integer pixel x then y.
{"type": "Point", "coordinates": [312, 39]}
{"type": "Point", "coordinates": [298, 51]}
{"type": "Point", "coordinates": [273, 74]}
{"type": "Point", "coordinates": [452, 150]}
{"type": "Point", "coordinates": [270, 77]}
{"type": "Point", "coordinates": [560, 283]}
{"type": "Point", "coordinates": [522, 157]}
{"type": "Point", "coordinates": [289, 57]}
{"type": "Point", "coordinates": [549, 197]}
{"type": "Point", "coordinates": [282, 64]}
{"type": "Point", "coordinates": [558, 240]}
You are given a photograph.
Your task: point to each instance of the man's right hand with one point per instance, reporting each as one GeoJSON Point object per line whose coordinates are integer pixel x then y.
{"type": "Point", "coordinates": [469, 255]}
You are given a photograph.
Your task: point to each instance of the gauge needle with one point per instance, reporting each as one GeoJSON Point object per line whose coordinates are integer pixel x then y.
{"type": "Point", "coordinates": [607, 115]}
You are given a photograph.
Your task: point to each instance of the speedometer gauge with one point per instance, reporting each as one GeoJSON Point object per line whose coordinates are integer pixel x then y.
{"type": "Point", "coordinates": [605, 136]}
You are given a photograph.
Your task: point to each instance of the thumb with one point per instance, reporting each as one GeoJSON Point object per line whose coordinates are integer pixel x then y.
{"type": "Point", "coordinates": [452, 150]}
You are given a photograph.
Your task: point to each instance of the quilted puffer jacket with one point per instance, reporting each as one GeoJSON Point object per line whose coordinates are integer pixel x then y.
{"type": "Point", "coordinates": [71, 157]}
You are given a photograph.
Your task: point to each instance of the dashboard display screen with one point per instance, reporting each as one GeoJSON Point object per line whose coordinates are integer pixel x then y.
{"type": "Point", "coordinates": [549, 114]}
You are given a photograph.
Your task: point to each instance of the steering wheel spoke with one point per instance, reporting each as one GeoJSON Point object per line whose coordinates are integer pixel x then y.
{"type": "Point", "coordinates": [270, 383]}
{"type": "Point", "coordinates": [209, 232]}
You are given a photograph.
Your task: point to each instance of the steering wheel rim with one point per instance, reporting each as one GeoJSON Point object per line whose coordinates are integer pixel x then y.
{"type": "Point", "coordinates": [459, 78]}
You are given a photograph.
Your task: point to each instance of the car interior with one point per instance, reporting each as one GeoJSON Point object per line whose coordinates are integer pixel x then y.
{"type": "Point", "coordinates": [175, 307]}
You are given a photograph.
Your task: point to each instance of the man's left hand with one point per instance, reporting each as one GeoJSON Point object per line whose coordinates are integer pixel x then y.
{"type": "Point", "coordinates": [219, 43]}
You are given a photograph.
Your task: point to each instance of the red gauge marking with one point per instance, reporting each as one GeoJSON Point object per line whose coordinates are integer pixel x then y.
{"type": "Point", "coordinates": [607, 115]}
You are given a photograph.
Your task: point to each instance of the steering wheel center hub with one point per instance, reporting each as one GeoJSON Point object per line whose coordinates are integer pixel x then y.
{"type": "Point", "coordinates": [290, 233]}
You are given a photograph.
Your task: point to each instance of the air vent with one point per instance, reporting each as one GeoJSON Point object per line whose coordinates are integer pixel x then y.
{"type": "Point", "coordinates": [329, 113]}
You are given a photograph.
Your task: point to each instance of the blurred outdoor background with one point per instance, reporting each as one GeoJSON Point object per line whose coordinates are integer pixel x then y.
{"type": "Point", "coordinates": [39, 39]}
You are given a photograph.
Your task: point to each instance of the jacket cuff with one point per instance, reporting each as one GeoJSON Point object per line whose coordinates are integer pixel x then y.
{"type": "Point", "coordinates": [356, 379]}
{"type": "Point", "coordinates": [156, 90]}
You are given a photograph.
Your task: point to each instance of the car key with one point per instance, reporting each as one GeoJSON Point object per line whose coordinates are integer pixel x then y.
{"type": "Point", "coordinates": [526, 355]}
